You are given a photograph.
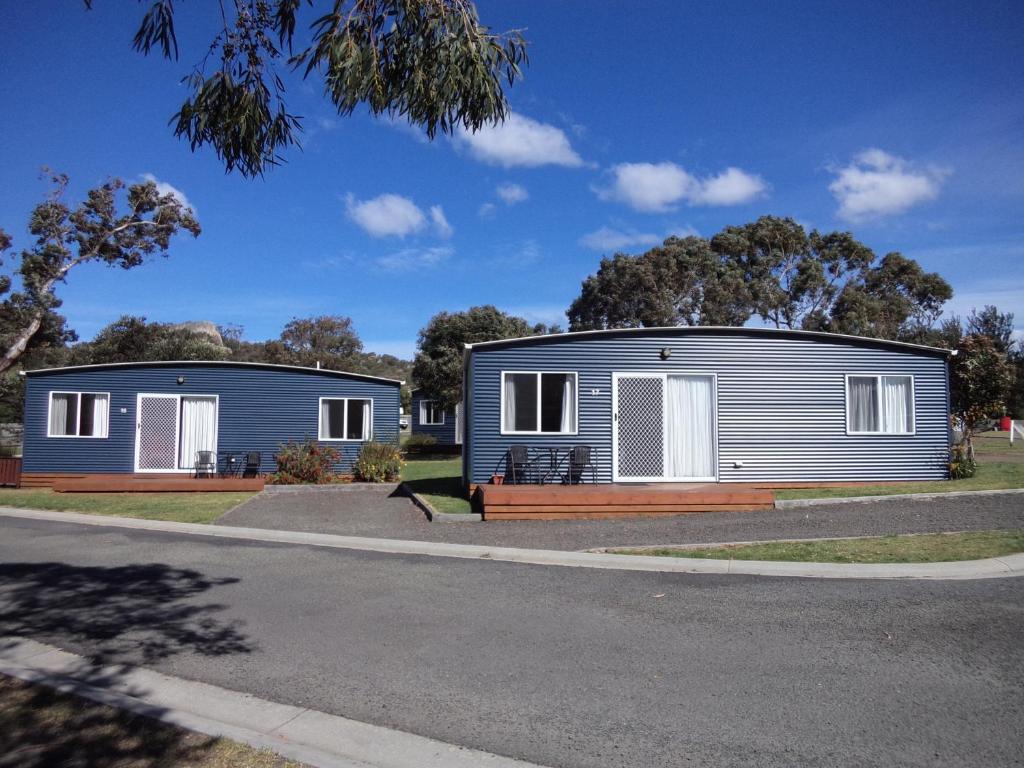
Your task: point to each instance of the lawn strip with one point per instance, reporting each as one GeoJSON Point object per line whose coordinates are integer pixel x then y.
{"type": "Point", "coordinates": [907, 548]}
{"type": "Point", "coordinates": [195, 507]}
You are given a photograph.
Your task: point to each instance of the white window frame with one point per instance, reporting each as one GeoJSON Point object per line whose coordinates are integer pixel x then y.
{"type": "Point", "coordinates": [423, 415]}
{"type": "Point", "coordinates": [878, 384]}
{"type": "Point", "coordinates": [344, 426]}
{"type": "Point", "coordinates": [576, 408]}
{"type": "Point", "coordinates": [78, 407]}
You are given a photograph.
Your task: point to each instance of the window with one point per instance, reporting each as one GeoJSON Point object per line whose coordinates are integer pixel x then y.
{"type": "Point", "coordinates": [78, 414]}
{"type": "Point", "coordinates": [431, 414]}
{"type": "Point", "coordinates": [344, 418]}
{"type": "Point", "coordinates": [880, 405]}
{"type": "Point", "coordinates": [538, 403]}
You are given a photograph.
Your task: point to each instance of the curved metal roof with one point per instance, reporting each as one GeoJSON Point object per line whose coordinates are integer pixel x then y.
{"type": "Point", "coordinates": [715, 329]}
{"type": "Point", "coordinates": [219, 363]}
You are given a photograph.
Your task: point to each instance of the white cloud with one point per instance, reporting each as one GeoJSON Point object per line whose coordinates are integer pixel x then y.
{"type": "Point", "coordinates": [487, 210]}
{"type": "Point", "coordinates": [168, 189]}
{"type": "Point", "coordinates": [657, 187]}
{"type": "Point", "coordinates": [731, 187]}
{"type": "Point", "coordinates": [441, 225]}
{"type": "Point", "coordinates": [386, 215]}
{"type": "Point", "coordinates": [415, 258]}
{"type": "Point", "coordinates": [512, 193]}
{"type": "Point", "coordinates": [520, 141]}
{"type": "Point", "coordinates": [608, 239]}
{"type": "Point", "coordinates": [879, 184]}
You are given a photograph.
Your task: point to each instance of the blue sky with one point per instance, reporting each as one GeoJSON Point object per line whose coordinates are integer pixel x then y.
{"type": "Point", "coordinates": [902, 122]}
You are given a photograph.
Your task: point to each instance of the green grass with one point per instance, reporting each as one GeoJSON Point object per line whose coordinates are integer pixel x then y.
{"type": "Point", "coordinates": [911, 548]}
{"type": "Point", "coordinates": [175, 507]}
{"type": "Point", "coordinates": [439, 481]}
{"type": "Point", "coordinates": [1000, 466]}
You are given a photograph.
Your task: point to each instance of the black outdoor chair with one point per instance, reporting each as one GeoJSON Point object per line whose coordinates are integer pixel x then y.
{"type": "Point", "coordinates": [520, 467]}
{"type": "Point", "coordinates": [206, 464]}
{"type": "Point", "coordinates": [572, 466]}
{"type": "Point", "coordinates": [252, 464]}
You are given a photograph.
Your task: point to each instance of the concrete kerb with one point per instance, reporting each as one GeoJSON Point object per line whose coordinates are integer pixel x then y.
{"type": "Point", "coordinates": [793, 503]}
{"type": "Point", "coordinates": [306, 735]}
{"type": "Point", "coordinates": [1010, 565]}
{"type": "Point", "coordinates": [438, 517]}
{"type": "Point", "coordinates": [388, 488]}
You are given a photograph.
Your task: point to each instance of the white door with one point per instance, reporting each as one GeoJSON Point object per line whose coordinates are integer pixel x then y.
{"type": "Point", "coordinates": [156, 440]}
{"type": "Point", "coordinates": [663, 427]}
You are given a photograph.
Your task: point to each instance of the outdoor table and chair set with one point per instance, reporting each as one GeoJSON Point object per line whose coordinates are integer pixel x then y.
{"type": "Point", "coordinates": [548, 465]}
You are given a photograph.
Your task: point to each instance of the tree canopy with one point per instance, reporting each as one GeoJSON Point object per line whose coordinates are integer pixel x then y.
{"type": "Point", "coordinates": [117, 225]}
{"type": "Point", "coordinates": [771, 268]}
{"type": "Point", "coordinates": [431, 62]}
{"type": "Point", "coordinates": [438, 365]}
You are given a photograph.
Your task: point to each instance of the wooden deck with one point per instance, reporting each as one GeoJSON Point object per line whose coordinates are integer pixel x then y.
{"type": "Point", "coordinates": [564, 502]}
{"type": "Point", "coordinates": [138, 483]}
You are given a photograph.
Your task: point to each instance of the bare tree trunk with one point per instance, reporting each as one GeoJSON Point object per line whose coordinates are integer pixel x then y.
{"type": "Point", "coordinates": [20, 343]}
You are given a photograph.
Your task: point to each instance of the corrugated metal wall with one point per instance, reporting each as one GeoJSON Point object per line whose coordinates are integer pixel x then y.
{"type": "Point", "coordinates": [259, 409]}
{"type": "Point", "coordinates": [781, 402]}
{"type": "Point", "coordinates": [443, 433]}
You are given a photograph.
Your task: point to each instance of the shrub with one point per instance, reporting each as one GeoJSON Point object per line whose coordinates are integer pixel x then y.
{"type": "Point", "coordinates": [961, 463]}
{"type": "Point", "coordinates": [378, 463]}
{"type": "Point", "coordinates": [305, 462]}
{"type": "Point", "coordinates": [420, 443]}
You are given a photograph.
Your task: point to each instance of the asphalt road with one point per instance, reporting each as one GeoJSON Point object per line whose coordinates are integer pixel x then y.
{"type": "Point", "coordinates": [351, 512]}
{"type": "Point", "coordinates": [559, 666]}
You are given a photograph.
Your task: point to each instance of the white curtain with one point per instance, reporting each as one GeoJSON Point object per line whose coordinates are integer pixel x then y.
{"type": "Point", "coordinates": [367, 421]}
{"type": "Point", "coordinates": [59, 413]}
{"type": "Point", "coordinates": [325, 419]}
{"type": "Point", "coordinates": [863, 404]}
{"type": "Point", "coordinates": [690, 427]}
{"type": "Point", "coordinates": [99, 416]}
{"type": "Point", "coordinates": [897, 404]}
{"type": "Point", "coordinates": [198, 428]}
{"type": "Point", "coordinates": [510, 402]}
{"type": "Point", "coordinates": [568, 405]}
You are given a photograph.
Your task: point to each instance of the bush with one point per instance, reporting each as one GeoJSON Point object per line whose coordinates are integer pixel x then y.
{"type": "Point", "coordinates": [416, 443]}
{"type": "Point", "coordinates": [378, 463]}
{"type": "Point", "coordinates": [961, 464]}
{"type": "Point", "coordinates": [305, 462]}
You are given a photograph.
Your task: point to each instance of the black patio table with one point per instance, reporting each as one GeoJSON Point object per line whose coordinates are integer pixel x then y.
{"type": "Point", "coordinates": [231, 463]}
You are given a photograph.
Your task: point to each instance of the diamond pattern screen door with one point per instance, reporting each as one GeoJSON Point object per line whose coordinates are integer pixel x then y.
{"type": "Point", "coordinates": [157, 438]}
{"type": "Point", "coordinates": [640, 427]}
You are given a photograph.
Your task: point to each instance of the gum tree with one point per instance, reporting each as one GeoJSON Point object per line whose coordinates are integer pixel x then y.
{"type": "Point", "coordinates": [430, 62]}
{"type": "Point", "coordinates": [117, 225]}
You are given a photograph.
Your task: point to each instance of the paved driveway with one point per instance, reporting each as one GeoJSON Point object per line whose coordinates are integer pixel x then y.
{"type": "Point", "coordinates": [567, 667]}
{"type": "Point", "coordinates": [384, 514]}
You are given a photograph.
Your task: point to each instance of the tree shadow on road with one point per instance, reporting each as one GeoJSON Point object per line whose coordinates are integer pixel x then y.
{"type": "Point", "coordinates": [132, 613]}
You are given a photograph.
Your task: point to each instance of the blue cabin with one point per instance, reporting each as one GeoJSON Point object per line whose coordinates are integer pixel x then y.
{"type": "Point", "coordinates": [704, 404]}
{"type": "Point", "coordinates": [152, 418]}
{"type": "Point", "coordinates": [428, 418]}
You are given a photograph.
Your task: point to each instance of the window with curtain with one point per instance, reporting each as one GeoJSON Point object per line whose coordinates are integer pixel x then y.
{"type": "Point", "coordinates": [539, 403]}
{"type": "Point", "coordinates": [345, 418]}
{"type": "Point", "coordinates": [880, 404]}
{"type": "Point", "coordinates": [431, 414]}
{"type": "Point", "coordinates": [78, 414]}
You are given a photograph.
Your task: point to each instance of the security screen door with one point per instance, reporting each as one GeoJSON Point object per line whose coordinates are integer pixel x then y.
{"type": "Point", "coordinates": [157, 438]}
{"type": "Point", "coordinates": [664, 427]}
